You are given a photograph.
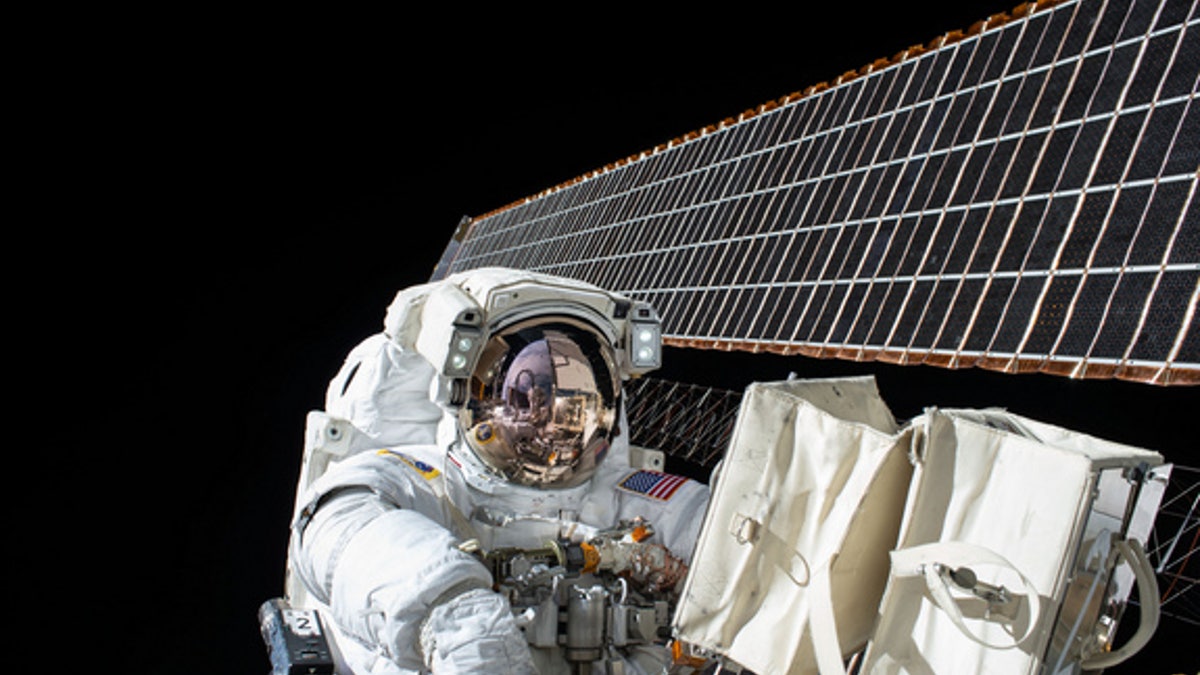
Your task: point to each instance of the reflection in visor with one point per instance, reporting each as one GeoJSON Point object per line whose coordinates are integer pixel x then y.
{"type": "Point", "coordinates": [542, 405]}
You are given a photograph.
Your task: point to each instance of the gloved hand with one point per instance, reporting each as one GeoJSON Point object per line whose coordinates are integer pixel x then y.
{"type": "Point", "coordinates": [653, 566]}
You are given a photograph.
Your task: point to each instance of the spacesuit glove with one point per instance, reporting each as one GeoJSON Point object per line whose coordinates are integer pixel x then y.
{"type": "Point", "coordinates": [654, 566]}
{"type": "Point", "coordinates": [474, 632]}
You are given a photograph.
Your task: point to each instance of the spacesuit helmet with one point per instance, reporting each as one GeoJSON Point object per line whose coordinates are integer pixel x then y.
{"type": "Point", "coordinates": [542, 402]}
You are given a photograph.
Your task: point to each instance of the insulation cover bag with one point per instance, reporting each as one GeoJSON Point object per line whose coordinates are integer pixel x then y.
{"type": "Point", "coordinates": [1008, 499]}
{"type": "Point", "coordinates": [806, 505]}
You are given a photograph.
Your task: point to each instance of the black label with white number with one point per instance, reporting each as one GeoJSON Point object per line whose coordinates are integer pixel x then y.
{"type": "Point", "coordinates": [296, 642]}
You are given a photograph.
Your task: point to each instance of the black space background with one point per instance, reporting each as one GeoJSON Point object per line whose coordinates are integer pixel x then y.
{"type": "Point", "coordinates": [225, 205]}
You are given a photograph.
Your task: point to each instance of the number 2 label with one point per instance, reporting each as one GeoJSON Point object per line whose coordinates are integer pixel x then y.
{"type": "Point", "coordinates": [302, 622]}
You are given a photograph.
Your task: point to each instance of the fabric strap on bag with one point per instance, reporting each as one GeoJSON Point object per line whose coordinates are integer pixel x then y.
{"type": "Point", "coordinates": [923, 560]}
{"type": "Point", "coordinates": [823, 623]}
{"type": "Point", "coordinates": [822, 620]}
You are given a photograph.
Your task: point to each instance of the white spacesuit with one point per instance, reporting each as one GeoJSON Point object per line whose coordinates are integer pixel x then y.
{"type": "Point", "coordinates": [469, 500]}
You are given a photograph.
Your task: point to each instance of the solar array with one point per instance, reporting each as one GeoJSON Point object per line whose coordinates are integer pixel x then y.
{"type": "Point", "coordinates": [1018, 197]}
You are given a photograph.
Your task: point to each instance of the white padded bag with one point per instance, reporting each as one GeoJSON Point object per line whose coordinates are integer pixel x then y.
{"type": "Point", "coordinates": [1008, 499]}
{"type": "Point", "coordinates": [805, 507]}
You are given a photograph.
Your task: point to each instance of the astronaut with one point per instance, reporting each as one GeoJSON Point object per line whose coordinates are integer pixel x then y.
{"type": "Point", "coordinates": [469, 500]}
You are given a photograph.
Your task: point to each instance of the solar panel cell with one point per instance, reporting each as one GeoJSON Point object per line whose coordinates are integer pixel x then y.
{"type": "Point", "coordinates": [1164, 315]}
{"type": "Point", "coordinates": [1188, 349]}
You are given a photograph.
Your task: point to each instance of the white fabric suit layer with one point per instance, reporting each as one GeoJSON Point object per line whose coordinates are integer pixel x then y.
{"type": "Point", "coordinates": [380, 555]}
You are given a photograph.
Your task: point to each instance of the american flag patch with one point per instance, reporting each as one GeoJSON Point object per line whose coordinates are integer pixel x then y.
{"type": "Point", "coordinates": [652, 484]}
